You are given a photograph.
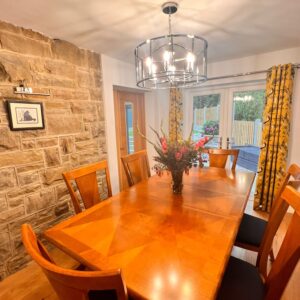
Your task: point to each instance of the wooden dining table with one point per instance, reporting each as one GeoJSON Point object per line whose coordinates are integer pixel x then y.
{"type": "Point", "coordinates": [168, 246]}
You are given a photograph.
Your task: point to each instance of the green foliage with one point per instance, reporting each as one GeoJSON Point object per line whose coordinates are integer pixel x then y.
{"type": "Point", "coordinates": [211, 127]}
{"type": "Point", "coordinates": [249, 110]}
{"type": "Point", "coordinates": [206, 101]}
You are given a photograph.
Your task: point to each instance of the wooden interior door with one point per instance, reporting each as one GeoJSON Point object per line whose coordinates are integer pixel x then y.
{"type": "Point", "coordinates": [129, 114]}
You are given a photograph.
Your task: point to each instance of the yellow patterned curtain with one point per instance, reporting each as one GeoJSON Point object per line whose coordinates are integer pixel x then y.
{"type": "Point", "coordinates": [175, 115]}
{"type": "Point", "coordinates": [275, 135]}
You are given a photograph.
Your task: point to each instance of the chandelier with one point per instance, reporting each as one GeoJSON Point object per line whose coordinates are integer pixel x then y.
{"type": "Point", "coordinates": [173, 60]}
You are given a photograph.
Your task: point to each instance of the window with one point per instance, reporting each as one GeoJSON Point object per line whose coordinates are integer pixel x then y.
{"type": "Point", "coordinates": [129, 127]}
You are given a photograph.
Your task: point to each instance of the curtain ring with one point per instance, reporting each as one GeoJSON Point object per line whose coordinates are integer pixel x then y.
{"type": "Point", "coordinates": [263, 146]}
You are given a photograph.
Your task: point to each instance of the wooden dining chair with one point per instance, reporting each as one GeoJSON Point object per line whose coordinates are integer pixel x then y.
{"type": "Point", "coordinates": [252, 229]}
{"type": "Point", "coordinates": [87, 184]}
{"type": "Point", "coordinates": [245, 281]}
{"type": "Point", "coordinates": [72, 284]}
{"type": "Point", "coordinates": [136, 167]}
{"type": "Point", "coordinates": [218, 157]}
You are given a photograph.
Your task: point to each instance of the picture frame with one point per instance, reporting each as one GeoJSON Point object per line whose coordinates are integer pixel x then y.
{"type": "Point", "coordinates": [25, 115]}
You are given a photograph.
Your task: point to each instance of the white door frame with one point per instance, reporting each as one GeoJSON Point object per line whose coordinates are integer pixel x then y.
{"type": "Point", "coordinates": [226, 104]}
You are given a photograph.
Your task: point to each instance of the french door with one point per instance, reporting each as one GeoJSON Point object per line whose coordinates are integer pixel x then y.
{"type": "Point", "coordinates": [233, 115]}
{"type": "Point", "coordinates": [129, 116]}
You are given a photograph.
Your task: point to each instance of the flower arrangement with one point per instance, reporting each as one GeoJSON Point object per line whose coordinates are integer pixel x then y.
{"type": "Point", "coordinates": [177, 157]}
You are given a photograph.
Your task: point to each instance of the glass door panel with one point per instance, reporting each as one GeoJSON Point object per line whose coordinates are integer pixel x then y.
{"type": "Point", "coordinates": [129, 127]}
{"type": "Point", "coordinates": [206, 116]}
{"type": "Point", "coordinates": [247, 126]}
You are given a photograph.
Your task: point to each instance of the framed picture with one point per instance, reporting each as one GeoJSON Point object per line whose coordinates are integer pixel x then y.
{"type": "Point", "coordinates": [25, 115]}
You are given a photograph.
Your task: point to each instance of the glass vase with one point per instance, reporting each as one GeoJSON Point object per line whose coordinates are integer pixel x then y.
{"type": "Point", "coordinates": [177, 181]}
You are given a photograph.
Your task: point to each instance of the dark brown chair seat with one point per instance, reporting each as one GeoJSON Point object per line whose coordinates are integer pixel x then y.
{"type": "Point", "coordinates": [251, 230]}
{"type": "Point", "coordinates": [241, 281]}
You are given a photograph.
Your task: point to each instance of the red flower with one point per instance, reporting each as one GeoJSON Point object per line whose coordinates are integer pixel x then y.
{"type": "Point", "coordinates": [164, 146]}
{"type": "Point", "coordinates": [201, 142]}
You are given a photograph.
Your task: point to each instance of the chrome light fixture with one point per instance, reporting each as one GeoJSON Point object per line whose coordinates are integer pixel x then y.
{"type": "Point", "coordinates": [174, 60]}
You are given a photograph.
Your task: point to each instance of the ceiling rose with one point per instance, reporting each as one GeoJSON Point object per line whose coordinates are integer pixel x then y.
{"type": "Point", "coordinates": [173, 60]}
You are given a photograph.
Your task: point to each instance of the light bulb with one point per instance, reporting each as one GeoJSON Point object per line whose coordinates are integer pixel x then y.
{"type": "Point", "coordinates": [190, 59]}
{"type": "Point", "coordinates": [148, 62]}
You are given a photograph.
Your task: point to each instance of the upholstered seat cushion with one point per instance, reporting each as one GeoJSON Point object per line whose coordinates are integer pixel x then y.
{"type": "Point", "coordinates": [241, 281]}
{"type": "Point", "coordinates": [251, 230]}
{"type": "Point", "coordinates": [104, 294]}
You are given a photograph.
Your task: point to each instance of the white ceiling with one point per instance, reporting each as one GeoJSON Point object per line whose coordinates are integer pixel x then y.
{"type": "Point", "coordinates": [233, 28]}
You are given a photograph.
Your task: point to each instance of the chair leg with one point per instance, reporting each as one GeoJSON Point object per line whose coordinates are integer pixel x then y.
{"type": "Point", "coordinates": [272, 258]}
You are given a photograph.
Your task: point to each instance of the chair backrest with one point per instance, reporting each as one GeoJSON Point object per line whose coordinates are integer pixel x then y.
{"type": "Point", "coordinates": [277, 214]}
{"type": "Point", "coordinates": [289, 252]}
{"type": "Point", "coordinates": [136, 167]}
{"type": "Point", "coordinates": [72, 284]}
{"type": "Point", "coordinates": [218, 157]}
{"type": "Point", "coordinates": [87, 184]}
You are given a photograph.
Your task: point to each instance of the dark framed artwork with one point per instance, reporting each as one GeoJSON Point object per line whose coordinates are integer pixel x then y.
{"type": "Point", "coordinates": [25, 115]}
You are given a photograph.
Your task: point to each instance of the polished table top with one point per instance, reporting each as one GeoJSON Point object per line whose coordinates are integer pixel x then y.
{"type": "Point", "coordinates": [168, 246]}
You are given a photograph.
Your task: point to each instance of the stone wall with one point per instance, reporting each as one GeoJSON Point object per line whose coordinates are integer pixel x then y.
{"type": "Point", "coordinates": [31, 162]}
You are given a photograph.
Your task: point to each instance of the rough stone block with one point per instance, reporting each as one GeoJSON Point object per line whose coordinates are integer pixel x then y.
{"type": "Point", "coordinates": [35, 35]}
{"type": "Point", "coordinates": [30, 167]}
{"type": "Point", "coordinates": [15, 202]}
{"type": "Point", "coordinates": [62, 192]}
{"type": "Point", "coordinates": [67, 51]}
{"type": "Point", "coordinates": [61, 208]}
{"type": "Point", "coordinates": [20, 44]}
{"type": "Point", "coordinates": [60, 94]}
{"type": "Point", "coordinates": [86, 145]}
{"type": "Point", "coordinates": [12, 214]}
{"type": "Point", "coordinates": [4, 234]}
{"type": "Point", "coordinates": [89, 118]}
{"type": "Point", "coordinates": [52, 157]}
{"type": "Point", "coordinates": [4, 75]}
{"type": "Point", "coordinates": [5, 251]}
{"type": "Point", "coordinates": [18, 158]}
{"type": "Point", "coordinates": [42, 217]}
{"type": "Point", "coordinates": [84, 79]}
{"type": "Point", "coordinates": [7, 178]}
{"type": "Point", "coordinates": [57, 107]}
{"type": "Point", "coordinates": [83, 107]}
{"type": "Point", "coordinates": [66, 144]}
{"type": "Point", "coordinates": [82, 95]}
{"type": "Point", "coordinates": [97, 79]}
{"type": "Point", "coordinates": [8, 140]}
{"type": "Point", "coordinates": [46, 142]}
{"type": "Point", "coordinates": [63, 125]}
{"type": "Point", "coordinates": [17, 262]}
{"type": "Point", "coordinates": [97, 130]}
{"type": "Point", "coordinates": [3, 203]}
{"type": "Point", "coordinates": [87, 157]}
{"type": "Point", "coordinates": [83, 136]}
{"type": "Point", "coordinates": [26, 134]}
{"type": "Point", "coordinates": [39, 201]}
{"type": "Point", "coordinates": [29, 178]}
{"type": "Point", "coordinates": [9, 63]}
{"type": "Point", "coordinates": [94, 60]}
{"type": "Point", "coordinates": [60, 68]}
{"type": "Point", "coordinates": [96, 94]}
{"type": "Point", "coordinates": [54, 174]}
{"type": "Point", "coordinates": [9, 27]}
{"type": "Point", "coordinates": [28, 144]}
{"type": "Point", "coordinates": [23, 191]}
